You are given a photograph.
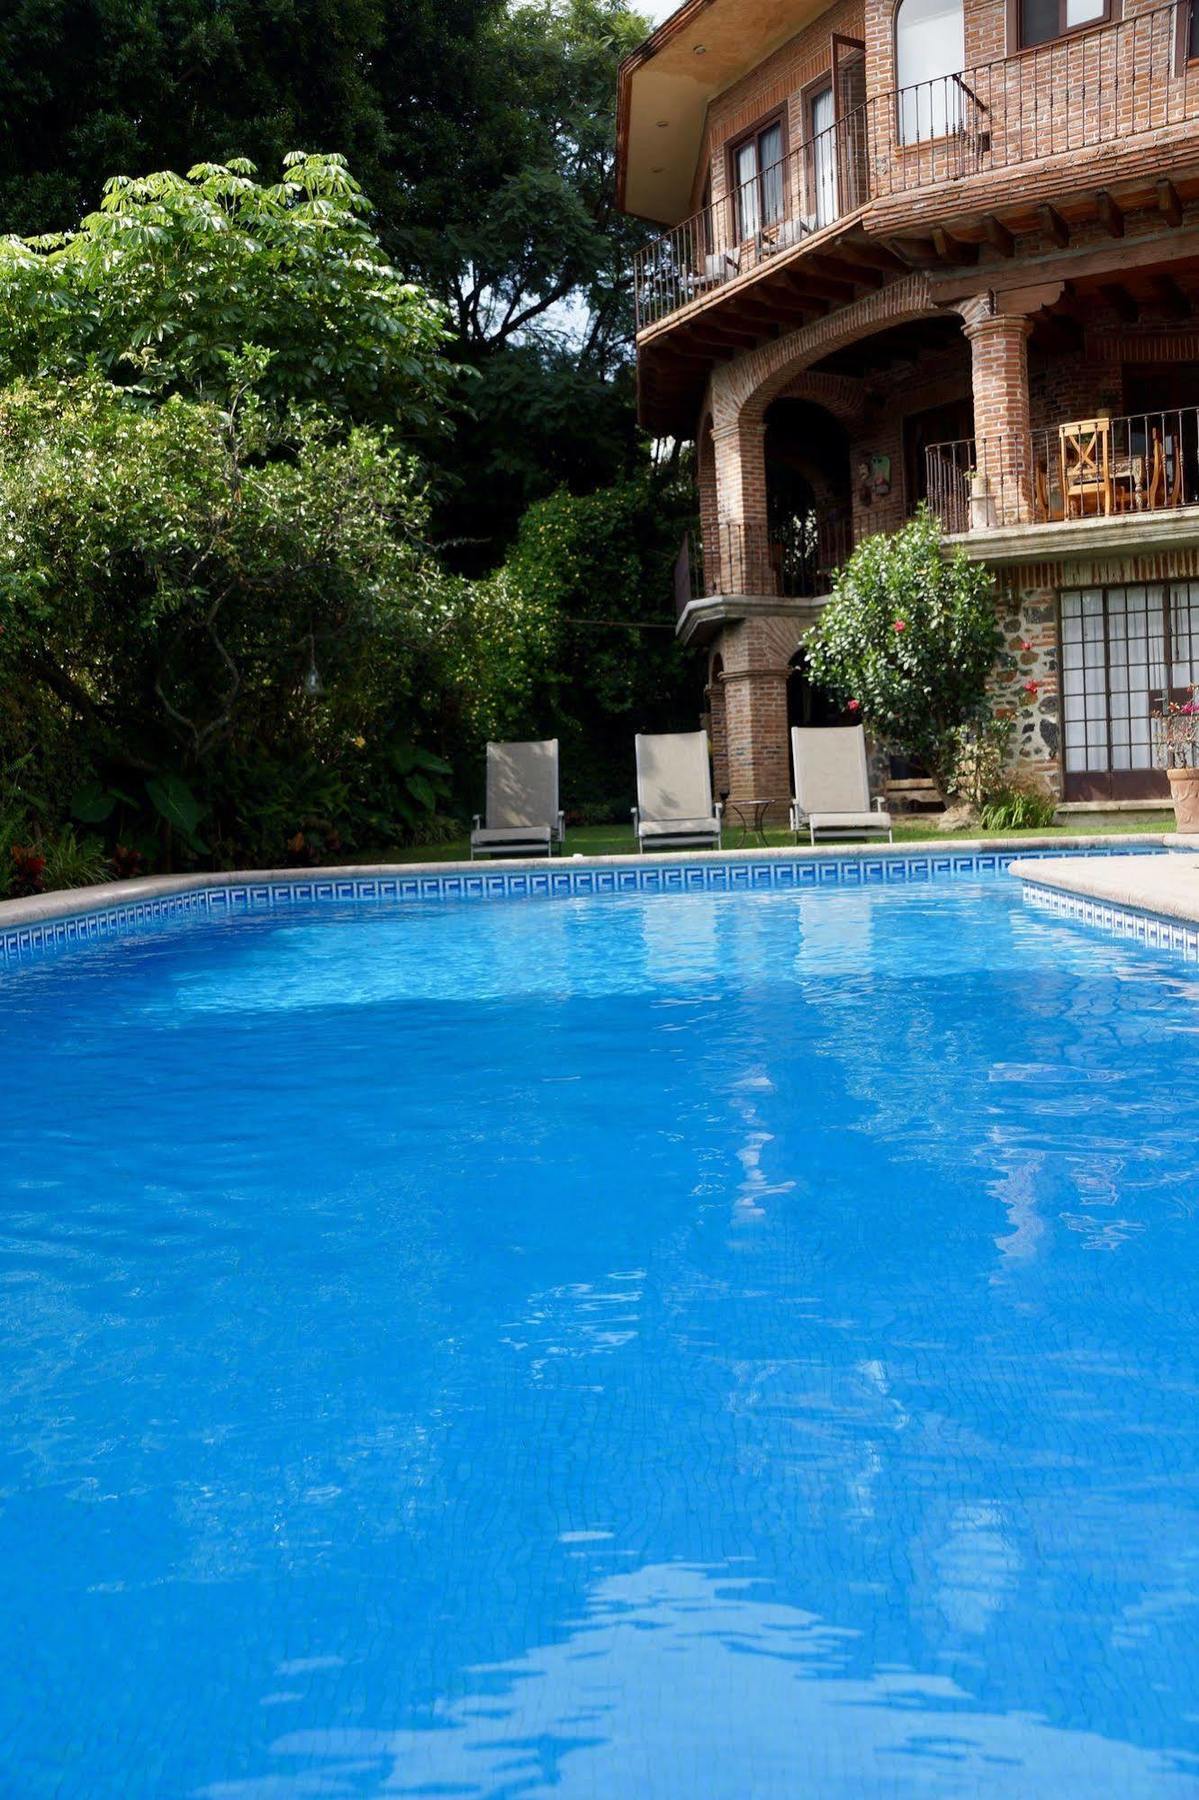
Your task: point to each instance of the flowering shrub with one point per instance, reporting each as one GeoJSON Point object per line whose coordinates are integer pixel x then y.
{"type": "Point", "coordinates": [1176, 732]}
{"type": "Point", "coordinates": [907, 641]}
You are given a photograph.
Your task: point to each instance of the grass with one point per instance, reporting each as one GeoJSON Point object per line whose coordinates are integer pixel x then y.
{"type": "Point", "coordinates": [618, 840]}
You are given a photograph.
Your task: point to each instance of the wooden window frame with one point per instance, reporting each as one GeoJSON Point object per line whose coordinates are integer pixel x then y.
{"type": "Point", "coordinates": [777, 116]}
{"type": "Point", "coordinates": [1112, 11]}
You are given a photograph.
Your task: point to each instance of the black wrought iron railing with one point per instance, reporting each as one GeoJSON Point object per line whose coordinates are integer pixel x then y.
{"type": "Point", "coordinates": [796, 563]}
{"type": "Point", "coordinates": [1116, 83]}
{"type": "Point", "coordinates": [1082, 469]}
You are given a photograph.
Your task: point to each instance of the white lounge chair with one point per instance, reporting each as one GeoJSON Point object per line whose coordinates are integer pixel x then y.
{"type": "Point", "coordinates": [522, 802]}
{"type": "Point", "coordinates": [832, 785]}
{"type": "Point", "coordinates": [674, 792]}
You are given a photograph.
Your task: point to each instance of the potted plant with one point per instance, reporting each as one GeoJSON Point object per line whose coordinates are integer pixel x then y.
{"type": "Point", "coordinates": [1176, 731]}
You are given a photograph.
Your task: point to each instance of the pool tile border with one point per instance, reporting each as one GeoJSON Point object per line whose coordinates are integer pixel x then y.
{"type": "Point", "coordinates": [224, 899]}
{"type": "Point", "coordinates": [1152, 929]}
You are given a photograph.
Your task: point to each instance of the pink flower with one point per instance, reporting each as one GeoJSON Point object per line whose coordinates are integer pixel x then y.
{"type": "Point", "coordinates": [900, 625]}
{"type": "Point", "coordinates": [855, 706]}
{"type": "Point", "coordinates": [1024, 644]}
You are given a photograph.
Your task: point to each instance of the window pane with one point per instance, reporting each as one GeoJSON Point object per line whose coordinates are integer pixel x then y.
{"type": "Point", "coordinates": [1082, 12]}
{"type": "Point", "coordinates": [930, 49]}
{"type": "Point", "coordinates": [770, 150]}
{"type": "Point", "coordinates": [1038, 21]}
{"type": "Point", "coordinates": [1193, 34]}
{"type": "Point", "coordinates": [823, 169]}
{"type": "Point", "coordinates": [748, 215]}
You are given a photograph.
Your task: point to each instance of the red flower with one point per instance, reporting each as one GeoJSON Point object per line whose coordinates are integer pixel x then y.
{"type": "Point", "coordinates": [1024, 644]}
{"type": "Point", "coordinates": [1032, 687]}
{"type": "Point", "coordinates": [855, 706]}
{"type": "Point", "coordinates": [900, 625]}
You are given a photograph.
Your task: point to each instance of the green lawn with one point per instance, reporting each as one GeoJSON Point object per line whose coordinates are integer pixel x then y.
{"type": "Point", "coordinates": [618, 840]}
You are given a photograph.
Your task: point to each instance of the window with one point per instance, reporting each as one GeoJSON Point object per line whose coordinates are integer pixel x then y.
{"type": "Point", "coordinates": [758, 179]}
{"type": "Point", "coordinates": [1193, 32]}
{"type": "Point", "coordinates": [930, 54]}
{"type": "Point", "coordinates": [1042, 20]}
{"type": "Point", "coordinates": [1123, 650]}
{"type": "Point", "coordinates": [822, 174]}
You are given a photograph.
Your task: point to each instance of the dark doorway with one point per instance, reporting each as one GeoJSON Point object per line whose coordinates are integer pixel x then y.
{"type": "Point", "coordinates": [936, 425]}
{"type": "Point", "coordinates": [808, 704]}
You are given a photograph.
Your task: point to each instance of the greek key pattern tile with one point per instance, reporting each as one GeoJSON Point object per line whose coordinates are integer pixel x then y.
{"type": "Point", "coordinates": [564, 880]}
{"type": "Point", "coordinates": [1149, 928]}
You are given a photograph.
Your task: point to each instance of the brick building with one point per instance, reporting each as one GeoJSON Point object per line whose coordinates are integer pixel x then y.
{"type": "Point", "coordinates": [942, 250]}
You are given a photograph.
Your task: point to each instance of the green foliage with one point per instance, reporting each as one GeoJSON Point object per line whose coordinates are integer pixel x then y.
{"type": "Point", "coordinates": [167, 284]}
{"type": "Point", "coordinates": [1019, 807]}
{"type": "Point", "coordinates": [592, 577]}
{"type": "Point", "coordinates": [168, 579]}
{"type": "Point", "coordinates": [907, 642]}
{"type": "Point", "coordinates": [72, 861]}
{"type": "Point", "coordinates": [484, 134]}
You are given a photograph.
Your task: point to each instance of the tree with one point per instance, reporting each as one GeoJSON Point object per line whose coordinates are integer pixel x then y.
{"type": "Point", "coordinates": [123, 85]}
{"type": "Point", "coordinates": [175, 273]}
{"type": "Point", "coordinates": [199, 594]}
{"type": "Point", "coordinates": [907, 642]}
{"type": "Point", "coordinates": [484, 134]}
{"type": "Point", "coordinates": [594, 575]}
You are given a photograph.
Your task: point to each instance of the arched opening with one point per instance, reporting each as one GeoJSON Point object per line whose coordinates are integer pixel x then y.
{"type": "Point", "coordinates": [930, 54]}
{"type": "Point", "coordinates": [808, 501]}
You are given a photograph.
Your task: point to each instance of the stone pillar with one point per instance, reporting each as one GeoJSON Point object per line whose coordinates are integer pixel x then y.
{"type": "Point", "coordinates": [1002, 489]}
{"type": "Point", "coordinates": [740, 446]}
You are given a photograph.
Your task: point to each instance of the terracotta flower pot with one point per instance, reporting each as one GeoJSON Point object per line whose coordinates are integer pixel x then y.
{"type": "Point", "coordinates": [1184, 791]}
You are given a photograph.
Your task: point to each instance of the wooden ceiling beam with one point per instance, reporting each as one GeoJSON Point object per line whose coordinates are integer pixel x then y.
{"type": "Point", "coordinates": [1168, 203]}
{"type": "Point", "coordinates": [998, 235]}
{"type": "Point", "coordinates": [1110, 216]}
{"type": "Point", "coordinates": [875, 256]}
{"type": "Point", "coordinates": [1054, 226]}
{"type": "Point", "coordinates": [846, 270]}
{"type": "Point", "coordinates": [803, 280]}
{"type": "Point", "coordinates": [950, 250]}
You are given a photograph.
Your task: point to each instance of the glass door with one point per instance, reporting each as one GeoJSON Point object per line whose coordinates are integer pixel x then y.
{"type": "Point", "coordinates": [1123, 650]}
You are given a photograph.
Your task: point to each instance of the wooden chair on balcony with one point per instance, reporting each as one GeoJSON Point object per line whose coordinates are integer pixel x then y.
{"type": "Point", "coordinates": [1086, 463]}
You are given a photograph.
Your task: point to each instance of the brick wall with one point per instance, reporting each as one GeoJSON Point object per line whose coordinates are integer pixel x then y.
{"type": "Point", "coordinates": [778, 82]}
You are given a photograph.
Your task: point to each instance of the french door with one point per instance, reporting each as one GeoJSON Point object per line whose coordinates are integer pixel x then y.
{"type": "Point", "coordinates": [1123, 649]}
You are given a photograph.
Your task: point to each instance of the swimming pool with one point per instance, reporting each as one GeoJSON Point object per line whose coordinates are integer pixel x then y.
{"type": "Point", "coordinates": [695, 1346]}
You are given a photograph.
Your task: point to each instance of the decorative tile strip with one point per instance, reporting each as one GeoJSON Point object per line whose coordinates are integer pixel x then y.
{"type": "Point", "coordinates": [566, 880]}
{"type": "Point", "coordinates": [1150, 928]}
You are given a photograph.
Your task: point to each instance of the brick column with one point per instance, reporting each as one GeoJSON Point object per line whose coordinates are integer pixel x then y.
{"type": "Point", "coordinates": [1002, 490]}
{"type": "Point", "coordinates": [718, 728]}
{"type": "Point", "coordinates": [740, 446]}
{"type": "Point", "coordinates": [754, 683]}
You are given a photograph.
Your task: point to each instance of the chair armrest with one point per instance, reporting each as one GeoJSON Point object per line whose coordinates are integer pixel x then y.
{"type": "Point", "coordinates": [478, 821]}
{"type": "Point", "coordinates": [880, 803]}
{"type": "Point", "coordinates": [719, 809]}
{"type": "Point", "coordinates": [561, 826]}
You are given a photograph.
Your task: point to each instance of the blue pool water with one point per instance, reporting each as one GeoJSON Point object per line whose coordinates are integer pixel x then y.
{"type": "Point", "coordinates": [686, 1348]}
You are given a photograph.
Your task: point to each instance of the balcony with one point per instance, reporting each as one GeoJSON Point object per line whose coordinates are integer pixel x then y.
{"type": "Point", "coordinates": [927, 152]}
{"type": "Point", "coordinates": [1102, 483]}
{"type": "Point", "coordinates": [752, 569]}
{"type": "Point", "coordinates": [813, 188]}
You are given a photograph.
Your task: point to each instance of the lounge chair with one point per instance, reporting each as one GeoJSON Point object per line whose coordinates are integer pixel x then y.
{"type": "Point", "coordinates": [832, 786]}
{"type": "Point", "coordinates": [522, 802]}
{"type": "Point", "coordinates": [674, 792]}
